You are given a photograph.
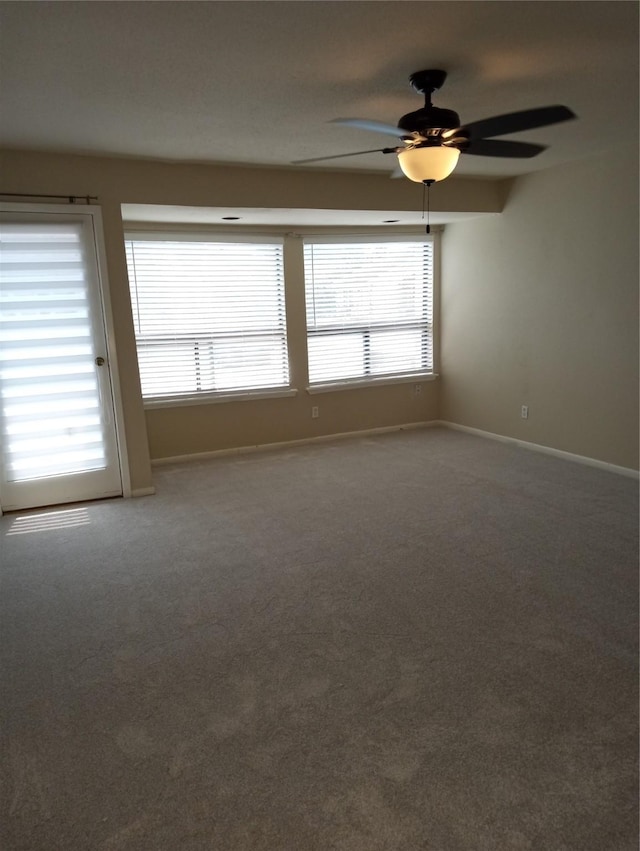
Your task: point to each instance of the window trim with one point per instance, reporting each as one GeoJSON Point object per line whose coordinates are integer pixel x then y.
{"type": "Point", "coordinates": [131, 232]}
{"type": "Point", "coordinates": [207, 398]}
{"type": "Point", "coordinates": [381, 381]}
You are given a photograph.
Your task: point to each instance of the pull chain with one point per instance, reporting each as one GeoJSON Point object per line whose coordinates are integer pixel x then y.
{"type": "Point", "coordinates": [426, 185]}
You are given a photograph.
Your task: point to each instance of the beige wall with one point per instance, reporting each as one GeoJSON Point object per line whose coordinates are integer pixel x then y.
{"type": "Point", "coordinates": [539, 306]}
{"type": "Point", "coordinates": [165, 432]}
{"type": "Point", "coordinates": [175, 431]}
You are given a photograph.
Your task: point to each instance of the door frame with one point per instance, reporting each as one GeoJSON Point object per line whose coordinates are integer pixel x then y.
{"type": "Point", "coordinates": [93, 212]}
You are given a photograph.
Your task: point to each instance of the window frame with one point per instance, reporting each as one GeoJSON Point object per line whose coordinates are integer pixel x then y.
{"type": "Point", "coordinates": [371, 380]}
{"type": "Point", "coordinates": [209, 396]}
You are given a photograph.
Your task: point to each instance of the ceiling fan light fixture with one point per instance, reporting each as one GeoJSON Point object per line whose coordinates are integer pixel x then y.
{"type": "Point", "coordinates": [432, 162]}
{"type": "Point", "coordinates": [434, 137]}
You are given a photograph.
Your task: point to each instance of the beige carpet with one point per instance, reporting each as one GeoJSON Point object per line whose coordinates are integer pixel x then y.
{"type": "Point", "coordinates": [421, 640]}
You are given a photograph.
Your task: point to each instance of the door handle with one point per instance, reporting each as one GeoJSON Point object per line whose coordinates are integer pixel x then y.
{"type": "Point", "coordinates": [104, 408]}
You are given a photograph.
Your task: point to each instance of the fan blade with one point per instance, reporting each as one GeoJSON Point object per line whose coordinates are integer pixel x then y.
{"type": "Point", "coordinates": [339, 156]}
{"type": "Point", "coordinates": [503, 148]}
{"type": "Point", "coordinates": [514, 122]}
{"type": "Point", "coordinates": [373, 126]}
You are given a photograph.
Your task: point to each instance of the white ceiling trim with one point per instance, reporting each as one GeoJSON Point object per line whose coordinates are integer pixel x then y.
{"type": "Point", "coordinates": [263, 217]}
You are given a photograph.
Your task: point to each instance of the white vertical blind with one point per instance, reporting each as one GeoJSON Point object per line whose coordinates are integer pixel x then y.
{"type": "Point", "coordinates": [51, 407]}
{"type": "Point", "coordinates": [209, 315]}
{"type": "Point", "coordinates": [369, 308]}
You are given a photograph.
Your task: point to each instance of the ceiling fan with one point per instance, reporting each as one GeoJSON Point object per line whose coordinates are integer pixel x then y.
{"type": "Point", "coordinates": [432, 138]}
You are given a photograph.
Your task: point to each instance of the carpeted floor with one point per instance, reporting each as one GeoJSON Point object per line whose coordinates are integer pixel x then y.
{"type": "Point", "coordinates": [422, 640]}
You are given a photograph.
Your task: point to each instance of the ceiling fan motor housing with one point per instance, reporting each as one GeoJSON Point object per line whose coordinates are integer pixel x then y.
{"type": "Point", "coordinates": [429, 118]}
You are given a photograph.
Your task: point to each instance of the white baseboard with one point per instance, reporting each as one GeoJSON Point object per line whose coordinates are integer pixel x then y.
{"type": "Point", "coordinates": [143, 491]}
{"type": "Point", "coordinates": [547, 450]}
{"type": "Point", "coordinates": [264, 447]}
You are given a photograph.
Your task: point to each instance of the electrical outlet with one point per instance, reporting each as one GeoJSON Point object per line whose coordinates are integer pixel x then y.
{"type": "Point", "coordinates": [315, 412]}
{"type": "Point", "coordinates": [524, 412]}
{"type": "Point", "coordinates": [417, 389]}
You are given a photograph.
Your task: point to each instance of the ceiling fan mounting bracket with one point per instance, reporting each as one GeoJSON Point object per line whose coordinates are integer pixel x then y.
{"type": "Point", "coordinates": [427, 82]}
{"type": "Point", "coordinates": [429, 120]}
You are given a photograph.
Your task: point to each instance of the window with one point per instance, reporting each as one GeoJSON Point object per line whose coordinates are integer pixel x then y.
{"type": "Point", "coordinates": [369, 308]}
{"type": "Point", "coordinates": [209, 315]}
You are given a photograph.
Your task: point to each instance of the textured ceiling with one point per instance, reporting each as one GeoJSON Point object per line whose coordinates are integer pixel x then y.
{"type": "Point", "coordinates": [258, 82]}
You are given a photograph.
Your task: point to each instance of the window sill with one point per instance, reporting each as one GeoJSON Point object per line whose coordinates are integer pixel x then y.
{"type": "Point", "coordinates": [218, 398]}
{"type": "Point", "coordinates": [416, 378]}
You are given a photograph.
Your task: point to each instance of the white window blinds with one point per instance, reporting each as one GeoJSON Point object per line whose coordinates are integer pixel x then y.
{"type": "Point", "coordinates": [51, 416]}
{"type": "Point", "coordinates": [369, 308]}
{"type": "Point", "coordinates": [209, 315]}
